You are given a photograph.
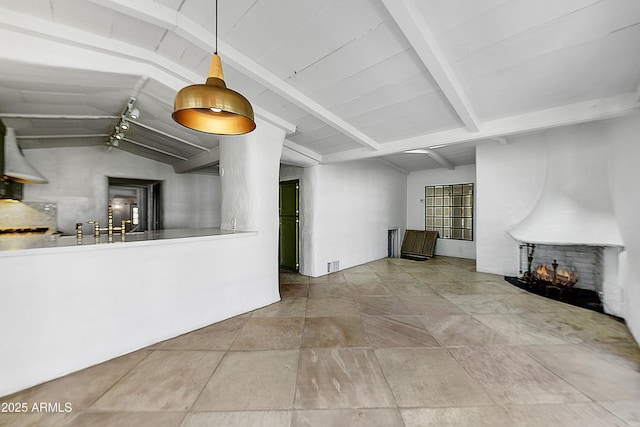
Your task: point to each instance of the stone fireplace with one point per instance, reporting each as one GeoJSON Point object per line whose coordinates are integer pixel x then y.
{"type": "Point", "coordinates": [583, 262]}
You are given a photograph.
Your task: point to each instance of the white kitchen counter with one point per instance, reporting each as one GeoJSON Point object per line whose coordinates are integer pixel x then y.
{"type": "Point", "coordinates": [65, 306]}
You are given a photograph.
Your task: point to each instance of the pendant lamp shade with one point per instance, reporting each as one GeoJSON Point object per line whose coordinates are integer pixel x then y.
{"type": "Point", "coordinates": [212, 108]}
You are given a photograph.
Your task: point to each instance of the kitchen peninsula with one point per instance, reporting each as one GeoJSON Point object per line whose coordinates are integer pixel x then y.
{"type": "Point", "coordinates": [67, 306]}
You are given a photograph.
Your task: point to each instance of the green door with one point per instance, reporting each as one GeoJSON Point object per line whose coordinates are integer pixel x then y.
{"type": "Point", "coordinates": [289, 220]}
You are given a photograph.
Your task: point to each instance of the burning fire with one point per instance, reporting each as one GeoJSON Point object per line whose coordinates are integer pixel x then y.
{"type": "Point", "coordinates": [563, 276]}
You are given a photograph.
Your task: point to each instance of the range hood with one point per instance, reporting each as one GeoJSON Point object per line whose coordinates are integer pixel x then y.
{"type": "Point", "coordinates": [16, 166]}
{"type": "Point", "coordinates": [574, 207]}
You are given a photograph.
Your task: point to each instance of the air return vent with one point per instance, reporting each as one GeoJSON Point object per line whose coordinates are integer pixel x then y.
{"type": "Point", "coordinates": [333, 266]}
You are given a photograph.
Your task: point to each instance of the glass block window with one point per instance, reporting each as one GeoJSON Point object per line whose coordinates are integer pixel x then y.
{"type": "Point", "coordinates": [449, 210]}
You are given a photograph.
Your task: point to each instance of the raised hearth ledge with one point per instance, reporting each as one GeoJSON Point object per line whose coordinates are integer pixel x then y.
{"type": "Point", "coordinates": [67, 308]}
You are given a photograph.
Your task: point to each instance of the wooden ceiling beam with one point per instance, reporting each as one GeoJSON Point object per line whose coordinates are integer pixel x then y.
{"type": "Point", "coordinates": [565, 115]}
{"type": "Point", "coordinates": [409, 18]}
{"type": "Point", "coordinates": [164, 17]}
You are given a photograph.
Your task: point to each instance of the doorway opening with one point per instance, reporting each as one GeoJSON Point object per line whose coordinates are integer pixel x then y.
{"type": "Point", "coordinates": [289, 253]}
{"type": "Point", "coordinates": [392, 243]}
{"type": "Point", "coordinates": [138, 201]}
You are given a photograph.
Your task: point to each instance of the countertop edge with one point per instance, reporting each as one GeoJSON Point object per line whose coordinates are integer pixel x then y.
{"type": "Point", "coordinates": [162, 237]}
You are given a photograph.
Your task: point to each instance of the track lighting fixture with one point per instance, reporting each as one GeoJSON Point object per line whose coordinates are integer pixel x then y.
{"type": "Point", "coordinates": [123, 124]}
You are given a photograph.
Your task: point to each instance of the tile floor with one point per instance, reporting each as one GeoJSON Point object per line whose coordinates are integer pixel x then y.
{"type": "Point", "coordinates": [390, 343]}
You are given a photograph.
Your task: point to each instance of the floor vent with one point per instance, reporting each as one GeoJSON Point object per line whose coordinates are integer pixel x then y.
{"type": "Point", "coordinates": [333, 266]}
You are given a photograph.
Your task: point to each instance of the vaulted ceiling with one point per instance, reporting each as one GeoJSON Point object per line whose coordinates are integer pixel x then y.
{"type": "Point", "coordinates": [346, 79]}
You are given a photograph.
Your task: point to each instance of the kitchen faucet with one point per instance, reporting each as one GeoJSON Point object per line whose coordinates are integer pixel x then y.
{"type": "Point", "coordinates": [110, 229]}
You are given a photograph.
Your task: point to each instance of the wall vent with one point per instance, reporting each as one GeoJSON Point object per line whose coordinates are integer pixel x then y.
{"type": "Point", "coordinates": [333, 266]}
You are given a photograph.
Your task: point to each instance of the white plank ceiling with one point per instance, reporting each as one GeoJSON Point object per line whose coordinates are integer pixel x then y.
{"type": "Point", "coordinates": [347, 79]}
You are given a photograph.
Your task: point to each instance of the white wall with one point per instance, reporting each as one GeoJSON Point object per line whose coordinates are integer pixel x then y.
{"type": "Point", "coordinates": [510, 182]}
{"type": "Point", "coordinates": [624, 135]}
{"type": "Point", "coordinates": [78, 184]}
{"type": "Point", "coordinates": [249, 167]}
{"type": "Point", "coordinates": [346, 210]}
{"type": "Point", "coordinates": [416, 181]}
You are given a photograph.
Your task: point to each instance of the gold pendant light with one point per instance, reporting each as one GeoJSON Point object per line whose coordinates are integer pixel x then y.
{"type": "Point", "coordinates": [212, 107]}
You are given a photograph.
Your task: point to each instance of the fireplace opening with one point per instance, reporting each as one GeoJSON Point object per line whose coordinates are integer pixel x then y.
{"type": "Point", "coordinates": [567, 273]}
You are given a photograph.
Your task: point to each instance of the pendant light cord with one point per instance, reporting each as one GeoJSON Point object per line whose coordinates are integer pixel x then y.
{"type": "Point", "coordinates": [216, 48]}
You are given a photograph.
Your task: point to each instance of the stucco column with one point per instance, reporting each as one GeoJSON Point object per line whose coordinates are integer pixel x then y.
{"type": "Point", "coordinates": [249, 176]}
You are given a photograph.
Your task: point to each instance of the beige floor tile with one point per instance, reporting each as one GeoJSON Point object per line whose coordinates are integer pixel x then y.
{"type": "Point", "coordinates": [331, 306]}
{"type": "Point", "coordinates": [511, 377]}
{"type": "Point", "coordinates": [334, 332]}
{"type": "Point", "coordinates": [433, 276]}
{"type": "Point", "coordinates": [489, 416]}
{"type": "Point", "coordinates": [461, 330]}
{"type": "Point", "coordinates": [589, 372]}
{"type": "Point", "coordinates": [581, 326]}
{"type": "Point", "coordinates": [574, 415]}
{"type": "Point", "coordinates": [400, 331]}
{"type": "Point", "coordinates": [34, 419]}
{"type": "Point", "coordinates": [470, 276]}
{"type": "Point", "coordinates": [354, 278]}
{"type": "Point", "coordinates": [255, 380]}
{"type": "Point", "coordinates": [380, 305]}
{"type": "Point", "coordinates": [395, 275]}
{"type": "Point", "coordinates": [626, 410]}
{"type": "Point", "coordinates": [408, 287]}
{"type": "Point", "coordinates": [429, 377]}
{"type": "Point", "coordinates": [333, 278]}
{"type": "Point", "coordinates": [293, 278]}
{"type": "Point", "coordinates": [473, 288]}
{"type": "Point", "coordinates": [289, 290]}
{"type": "Point", "coordinates": [81, 388]}
{"type": "Point", "coordinates": [503, 303]}
{"type": "Point", "coordinates": [138, 419]}
{"type": "Point", "coordinates": [430, 305]}
{"type": "Point", "coordinates": [270, 333]}
{"type": "Point", "coordinates": [218, 336]}
{"type": "Point", "coordinates": [368, 288]}
{"type": "Point", "coordinates": [288, 307]}
{"type": "Point", "coordinates": [329, 290]}
{"type": "Point", "coordinates": [359, 269]}
{"type": "Point", "coordinates": [166, 380]}
{"type": "Point", "coordinates": [341, 378]}
{"type": "Point", "coordinates": [238, 419]}
{"type": "Point", "coordinates": [626, 353]}
{"type": "Point", "coordinates": [347, 418]}
{"type": "Point", "coordinates": [518, 330]}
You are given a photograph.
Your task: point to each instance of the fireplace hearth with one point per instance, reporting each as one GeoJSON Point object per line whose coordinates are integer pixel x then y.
{"type": "Point", "coordinates": [560, 280]}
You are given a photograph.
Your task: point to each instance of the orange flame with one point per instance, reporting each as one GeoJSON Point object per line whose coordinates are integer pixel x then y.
{"type": "Point", "coordinates": [563, 275]}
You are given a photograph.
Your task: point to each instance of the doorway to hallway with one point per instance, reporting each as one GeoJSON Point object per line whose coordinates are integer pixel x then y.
{"type": "Point", "coordinates": [137, 201]}
{"type": "Point", "coordinates": [289, 252]}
